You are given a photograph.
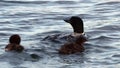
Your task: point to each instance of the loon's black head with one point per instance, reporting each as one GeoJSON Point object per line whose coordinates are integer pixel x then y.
{"type": "Point", "coordinates": [77, 24]}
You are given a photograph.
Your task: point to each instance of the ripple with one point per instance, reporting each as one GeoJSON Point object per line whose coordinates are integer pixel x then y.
{"type": "Point", "coordinates": [65, 2]}
{"type": "Point", "coordinates": [109, 3]}
{"type": "Point", "coordinates": [25, 2]}
{"type": "Point", "coordinates": [118, 55]}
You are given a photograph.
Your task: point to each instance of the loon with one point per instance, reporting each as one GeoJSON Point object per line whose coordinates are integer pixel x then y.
{"type": "Point", "coordinates": [77, 44]}
{"type": "Point", "coordinates": [73, 42]}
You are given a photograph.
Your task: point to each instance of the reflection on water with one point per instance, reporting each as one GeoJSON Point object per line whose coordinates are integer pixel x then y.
{"type": "Point", "coordinates": [35, 19]}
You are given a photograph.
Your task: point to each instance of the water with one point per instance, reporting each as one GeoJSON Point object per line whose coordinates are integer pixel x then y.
{"type": "Point", "coordinates": [36, 19]}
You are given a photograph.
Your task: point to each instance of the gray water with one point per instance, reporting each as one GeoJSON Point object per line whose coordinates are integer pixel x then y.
{"type": "Point", "coordinates": [33, 20]}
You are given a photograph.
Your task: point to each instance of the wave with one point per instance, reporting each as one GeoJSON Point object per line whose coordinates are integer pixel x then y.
{"type": "Point", "coordinates": [24, 2]}
{"type": "Point", "coordinates": [38, 2]}
{"type": "Point", "coordinates": [18, 57]}
{"type": "Point", "coordinates": [109, 3]}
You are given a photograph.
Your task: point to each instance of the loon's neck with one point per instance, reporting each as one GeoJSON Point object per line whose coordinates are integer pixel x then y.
{"type": "Point", "coordinates": [77, 27]}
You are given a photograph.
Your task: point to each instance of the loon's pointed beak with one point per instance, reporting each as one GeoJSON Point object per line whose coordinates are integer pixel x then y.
{"type": "Point", "coordinates": [67, 20]}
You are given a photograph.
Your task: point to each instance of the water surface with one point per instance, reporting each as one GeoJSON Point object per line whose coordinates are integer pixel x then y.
{"type": "Point", "coordinates": [36, 19]}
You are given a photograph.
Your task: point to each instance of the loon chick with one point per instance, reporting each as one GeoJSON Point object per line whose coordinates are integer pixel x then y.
{"type": "Point", "coordinates": [14, 44]}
